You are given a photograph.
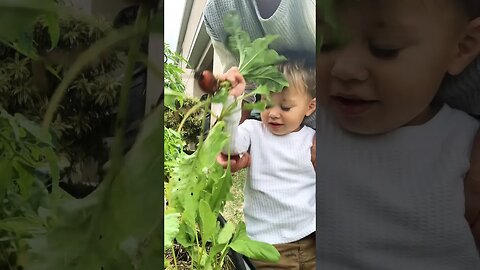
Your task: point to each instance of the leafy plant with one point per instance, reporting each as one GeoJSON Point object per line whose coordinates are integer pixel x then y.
{"type": "Point", "coordinates": [173, 77]}
{"type": "Point", "coordinates": [193, 124]}
{"type": "Point", "coordinates": [27, 161]}
{"type": "Point", "coordinates": [86, 114]}
{"type": "Point", "coordinates": [199, 187]}
{"type": "Point", "coordinates": [116, 227]}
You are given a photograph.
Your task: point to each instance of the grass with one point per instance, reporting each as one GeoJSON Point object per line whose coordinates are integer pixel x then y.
{"type": "Point", "coordinates": [233, 210]}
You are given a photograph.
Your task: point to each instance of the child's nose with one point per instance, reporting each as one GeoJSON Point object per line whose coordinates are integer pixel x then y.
{"type": "Point", "coordinates": [349, 65]}
{"type": "Point", "coordinates": [274, 113]}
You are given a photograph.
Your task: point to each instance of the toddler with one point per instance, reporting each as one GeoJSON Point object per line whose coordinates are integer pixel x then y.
{"type": "Point", "coordinates": [279, 203]}
{"type": "Point", "coordinates": [393, 162]}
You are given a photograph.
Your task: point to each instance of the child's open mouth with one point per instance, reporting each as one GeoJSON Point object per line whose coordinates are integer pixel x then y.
{"type": "Point", "coordinates": [275, 125]}
{"type": "Point", "coordinates": [352, 106]}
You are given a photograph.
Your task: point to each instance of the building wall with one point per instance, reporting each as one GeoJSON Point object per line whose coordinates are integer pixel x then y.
{"type": "Point", "coordinates": [154, 83]}
{"type": "Point", "coordinates": [192, 27]}
{"type": "Point", "coordinates": [195, 47]}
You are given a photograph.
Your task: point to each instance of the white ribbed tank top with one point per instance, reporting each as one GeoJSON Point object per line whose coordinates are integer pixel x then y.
{"type": "Point", "coordinates": [395, 201]}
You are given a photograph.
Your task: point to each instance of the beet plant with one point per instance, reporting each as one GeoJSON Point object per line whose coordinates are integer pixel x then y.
{"type": "Point", "coordinates": [198, 187]}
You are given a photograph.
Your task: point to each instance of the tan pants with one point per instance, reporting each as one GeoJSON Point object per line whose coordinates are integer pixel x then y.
{"type": "Point", "coordinates": [299, 255]}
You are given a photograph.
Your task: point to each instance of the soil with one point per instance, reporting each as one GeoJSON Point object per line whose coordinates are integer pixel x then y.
{"type": "Point", "coordinates": [183, 260]}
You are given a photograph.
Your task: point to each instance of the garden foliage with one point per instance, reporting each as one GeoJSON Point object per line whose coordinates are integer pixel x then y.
{"type": "Point", "coordinates": [198, 187]}
{"type": "Point", "coordinates": [41, 227]}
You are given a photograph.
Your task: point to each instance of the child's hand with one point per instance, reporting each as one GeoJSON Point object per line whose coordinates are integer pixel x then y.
{"type": "Point", "coordinates": [236, 79]}
{"type": "Point", "coordinates": [236, 162]}
{"type": "Point", "coordinates": [472, 190]}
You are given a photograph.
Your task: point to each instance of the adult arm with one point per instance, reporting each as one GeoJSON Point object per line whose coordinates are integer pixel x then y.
{"type": "Point", "coordinates": [239, 137]}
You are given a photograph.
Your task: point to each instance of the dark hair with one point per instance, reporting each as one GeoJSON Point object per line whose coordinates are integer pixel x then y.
{"type": "Point", "coordinates": [471, 7]}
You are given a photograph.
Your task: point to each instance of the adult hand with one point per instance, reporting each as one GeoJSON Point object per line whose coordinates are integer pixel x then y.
{"type": "Point", "coordinates": [236, 162]}
{"type": "Point", "coordinates": [472, 190]}
{"type": "Point", "coordinates": [236, 79]}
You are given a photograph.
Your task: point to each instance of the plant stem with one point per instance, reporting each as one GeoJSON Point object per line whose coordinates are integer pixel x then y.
{"type": "Point", "coordinates": [226, 111]}
{"type": "Point", "coordinates": [207, 104]}
{"type": "Point", "coordinates": [222, 257]}
{"type": "Point", "coordinates": [174, 257]}
{"type": "Point", "coordinates": [192, 110]}
{"type": "Point", "coordinates": [117, 150]}
{"type": "Point", "coordinates": [201, 251]}
{"type": "Point", "coordinates": [198, 253]}
{"type": "Point", "coordinates": [88, 56]}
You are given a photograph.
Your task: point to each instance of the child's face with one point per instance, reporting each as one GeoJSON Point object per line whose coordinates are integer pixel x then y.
{"type": "Point", "coordinates": [390, 64]}
{"type": "Point", "coordinates": [288, 109]}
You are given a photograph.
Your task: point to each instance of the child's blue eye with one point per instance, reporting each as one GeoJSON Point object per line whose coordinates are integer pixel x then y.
{"type": "Point", "coordinates": [383, 53]}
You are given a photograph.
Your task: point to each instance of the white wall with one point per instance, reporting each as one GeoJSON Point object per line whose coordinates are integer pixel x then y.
{"type": "Point", "coordinates": [193, 24]}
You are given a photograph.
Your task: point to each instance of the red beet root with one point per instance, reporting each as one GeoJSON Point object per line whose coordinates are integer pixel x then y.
{"type": "Point", "coordinates": [208, 82]}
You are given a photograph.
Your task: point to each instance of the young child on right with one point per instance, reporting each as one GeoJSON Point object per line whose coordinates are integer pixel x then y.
{"type": "Point", "coordinates": [393, 162]}
{"type": "Point", "coordinates": [279, 205]}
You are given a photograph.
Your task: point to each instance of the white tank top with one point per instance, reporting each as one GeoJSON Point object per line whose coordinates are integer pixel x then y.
{"type": "Point", "coordinates": [395, 201]}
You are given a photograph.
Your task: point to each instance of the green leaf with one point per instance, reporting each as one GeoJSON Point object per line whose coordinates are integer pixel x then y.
{"type": "Point", "coordinates": [190, 214]}
{"type": "Point", "coordinates": [25, 179]}
{"type": "Point", "coordinates": [172, 225]}
{"type": "Point", "coordinates": [34, 129]}
{"type": "Point", "coordinates": [270, 77]}
{"type": "Point", "coordinates": [53, 24]}
{"type": "Point", "coordinates": [88, 233]}
{"type": "Point", "coordinates": [216, 249]}
{"type": "Point", "coordinates": [171, 97]}
{"type": "Point", "coordinates": [185, 236]}
{"type": "Point", "coordinates": [19, 133]}
{"type": "Point", "coordinates": [238, 39]}
{"type": "Point", "coordinates": [260, 106]}
{"type": "Point", "coordinates": [257, 62]}
{"type": "Point", "coordinates": [6, 174]}
{"type": "Point", "coordinates": [150, 259]}
{"type": "Point", "coordinates": [214, 143]}
{"type": "Point", "coordinates": [21, 225]}
{"type": "Point", "coordinates": [222, 182]}
{"type": "Point", "coordinates": [208, 221]}
{"type": "Point", "coordinates": [253, 249]}
{"type": "Point", "coordinates": [226, 233]}
{"type": "Point", "coordinates": [22, 14]}
{"type": "Point", "coordinates": [261, 90]}
{"type": "Point", "coordinates": [54, 169]}
{"type": "Point", "coordinates": [220, 96]}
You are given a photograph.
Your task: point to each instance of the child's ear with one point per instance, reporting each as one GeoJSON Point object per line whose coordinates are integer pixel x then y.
{"type": "Point", "coordinates": [312, 106]}
{"type": "Point", "coordinates": [468, 48]}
